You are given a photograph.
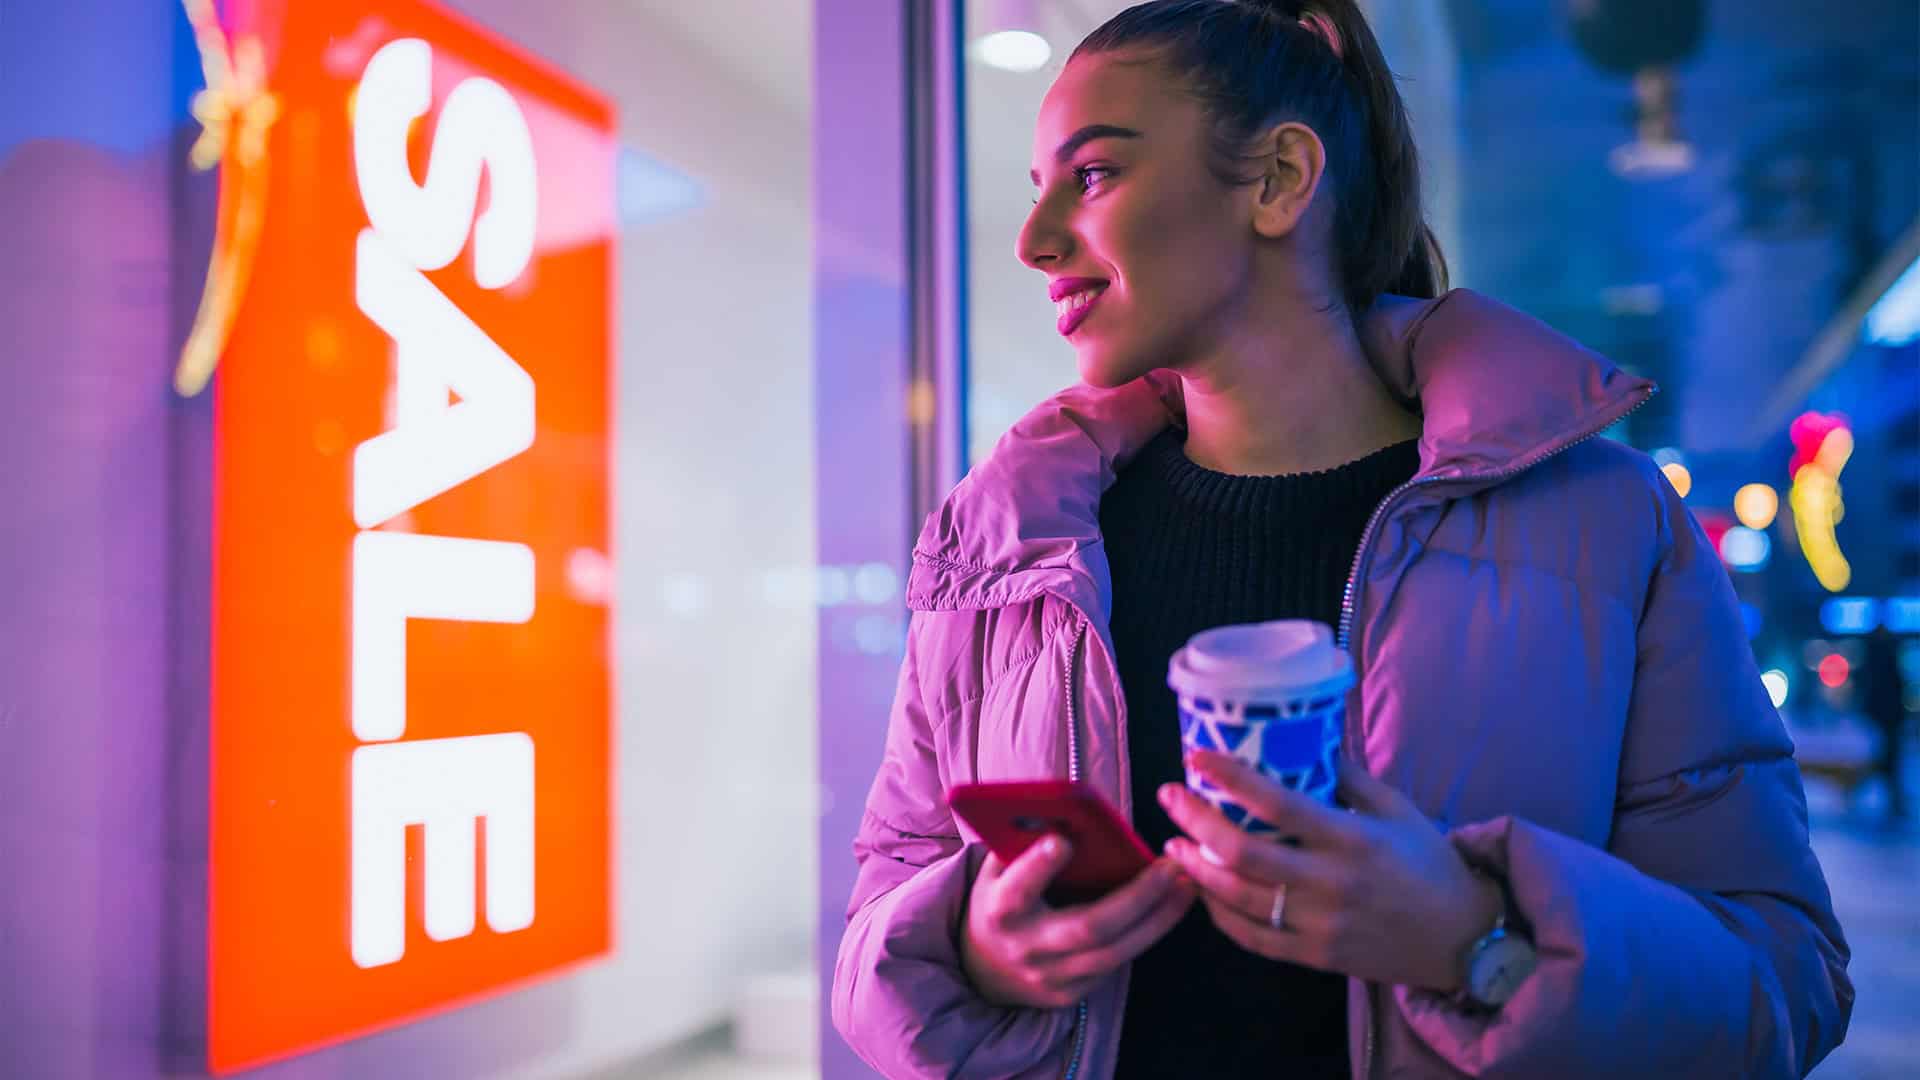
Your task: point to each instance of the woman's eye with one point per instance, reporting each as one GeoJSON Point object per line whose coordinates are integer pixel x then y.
{"type": "Point", "coordinates": [1088, 177]}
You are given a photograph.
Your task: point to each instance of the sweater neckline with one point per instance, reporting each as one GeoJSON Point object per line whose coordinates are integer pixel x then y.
{"type": "Point", "coordinates": [1366, 479]}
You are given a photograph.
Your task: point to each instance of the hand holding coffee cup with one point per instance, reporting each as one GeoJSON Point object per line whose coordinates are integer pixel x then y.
{"type": "Point", "coordinates": [1378, 893]}
{"type": "Point", "coordinates": [1273, 695]}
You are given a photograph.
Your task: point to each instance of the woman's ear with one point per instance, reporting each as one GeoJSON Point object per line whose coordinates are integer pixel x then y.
{"type": "Point", "coordinates": [1292, 160]}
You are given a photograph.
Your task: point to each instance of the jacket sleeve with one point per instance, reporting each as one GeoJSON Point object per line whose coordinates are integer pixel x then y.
{"type": "Point", "coordinates": [1702, 941]}
{"type": "Point", "coordinates": [900, 997]}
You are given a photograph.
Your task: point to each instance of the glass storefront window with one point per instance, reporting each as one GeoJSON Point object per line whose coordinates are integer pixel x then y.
{"type": "Point", "coordinates": [1014, 357]}
{"type": "Point", "coordinates": [692, 788]}
{"type": "Point", "coordinates": [713, 524]}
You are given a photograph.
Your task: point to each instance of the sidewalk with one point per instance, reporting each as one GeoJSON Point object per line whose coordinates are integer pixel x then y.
{"type": "Point", "coordinates": [1874, 872]}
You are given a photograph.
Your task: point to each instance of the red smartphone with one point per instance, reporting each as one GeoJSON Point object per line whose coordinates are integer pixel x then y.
{"type": "Point", "coordinates": [1010, 817]}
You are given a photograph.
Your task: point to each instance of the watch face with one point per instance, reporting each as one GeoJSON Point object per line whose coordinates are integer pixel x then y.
{"type": "Point", "coordinates": [1500, 968]}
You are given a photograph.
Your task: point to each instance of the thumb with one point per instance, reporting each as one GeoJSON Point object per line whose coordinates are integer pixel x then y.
{"type": "Point", "coordinates": [991, 867]}
{"type": "Point", "coordinates": [1360, 790]}
{"type": "Point", "coordinates": [1025, 880]}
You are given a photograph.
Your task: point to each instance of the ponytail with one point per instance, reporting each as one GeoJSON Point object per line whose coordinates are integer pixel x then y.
{"type": "Point", "coordinates": [1255, 63]}
{"type": "Point", "coordinates": [1400, 253]}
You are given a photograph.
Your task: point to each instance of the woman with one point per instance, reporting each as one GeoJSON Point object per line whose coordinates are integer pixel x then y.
{"type": "Point", "coordinates": [1560, 745]}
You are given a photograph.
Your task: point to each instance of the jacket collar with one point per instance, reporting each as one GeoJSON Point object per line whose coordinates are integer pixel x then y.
{"type": "Point", "coordinates": [1498, 391]}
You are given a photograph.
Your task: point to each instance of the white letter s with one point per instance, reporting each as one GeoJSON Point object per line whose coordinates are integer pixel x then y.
{"type": "Point", "coordinates": [480, 124]}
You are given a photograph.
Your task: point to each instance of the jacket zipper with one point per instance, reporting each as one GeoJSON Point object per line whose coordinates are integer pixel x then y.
{"type": "Point", "coordinates": [1073, 720]}
{"type": "Point", "coordinates": [1073, 773]}
{"type": "Point", "coordinates": [1348, 603]}
{"type": "Point", "coordinates": [1380, 512]}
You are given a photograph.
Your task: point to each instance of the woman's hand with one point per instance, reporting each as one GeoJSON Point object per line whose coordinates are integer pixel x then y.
{"type": "Point", "coordinates": [1379, 894]}
{"type": "Point", "coordinates": [1019, 951]}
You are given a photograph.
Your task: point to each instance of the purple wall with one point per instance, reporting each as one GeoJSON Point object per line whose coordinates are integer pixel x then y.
{"type": "Point", "coordinates": [86, 314]}
{"type": "Point", "coordinates": [860, 355]}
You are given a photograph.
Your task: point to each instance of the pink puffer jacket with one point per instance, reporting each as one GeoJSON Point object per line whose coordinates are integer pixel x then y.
{"type": "Point", "coordinates": [1552, 665]}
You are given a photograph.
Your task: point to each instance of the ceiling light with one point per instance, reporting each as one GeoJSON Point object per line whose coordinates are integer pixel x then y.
{"type": "Point", "coordinates": [1008, 36]}
{"type": "Point", "coordinates": [1014, 50]}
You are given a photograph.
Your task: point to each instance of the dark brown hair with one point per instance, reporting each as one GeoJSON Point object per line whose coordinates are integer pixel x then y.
{"type": "Point", "coordinates": [1253, 64]}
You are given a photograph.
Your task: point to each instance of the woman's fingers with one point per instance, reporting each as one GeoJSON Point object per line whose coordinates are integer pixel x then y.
{"type": "Point", "coordinates": [1256, 936]}
{"type": "Point", "coordinates": [1198, 819]}
{"type": "Point", "coordinates": [1289, 811]}
{"type": "Point", "coordinates": [1255, 898]}
{"type": "Point", "coordinates": [1152, 925]}
{"type": "Point", "coordinates": [1020, 951]}
{"type": "Point", "coordinates": [1094, 925]}
{"type": "Point", "coordinates": [1064, 994]}
{"type": "Point", "coordinates": [1023, 884]}
{"type": "Point", "coordinates": [1257, 859]}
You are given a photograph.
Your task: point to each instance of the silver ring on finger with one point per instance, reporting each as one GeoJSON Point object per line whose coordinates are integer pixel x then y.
{"type": "Point", "coordinates": [1277, 917]}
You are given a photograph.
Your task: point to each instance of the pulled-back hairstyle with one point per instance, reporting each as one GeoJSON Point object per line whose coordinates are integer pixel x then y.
{"type": "Point", "coordinates": [1256, 63]}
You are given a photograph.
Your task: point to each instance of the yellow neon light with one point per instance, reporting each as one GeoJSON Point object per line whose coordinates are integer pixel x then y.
{"type": "Point", "coordinates": [1834, 451]}
{"type": "Point", "coordinates": [1817, 509]}
{"type": "Point", "coordinates": [235, 113]}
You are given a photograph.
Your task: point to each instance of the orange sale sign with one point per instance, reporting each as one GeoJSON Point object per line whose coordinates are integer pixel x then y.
{"type": "Point", "coordinates": [411, 754]}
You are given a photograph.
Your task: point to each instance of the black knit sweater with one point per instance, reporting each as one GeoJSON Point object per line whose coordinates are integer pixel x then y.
{"type": "Point", "coordinates": [1191, 549]}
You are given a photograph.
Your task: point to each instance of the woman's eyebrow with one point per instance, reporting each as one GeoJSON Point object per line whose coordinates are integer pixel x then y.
{"type": "Point", "coordinates": [1084, 136]}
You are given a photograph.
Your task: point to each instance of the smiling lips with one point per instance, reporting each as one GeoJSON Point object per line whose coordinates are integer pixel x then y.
{"type": "Point", "coordinates": [1074, 298]}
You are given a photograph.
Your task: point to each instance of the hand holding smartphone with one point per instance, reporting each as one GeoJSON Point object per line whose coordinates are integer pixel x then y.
{"type": "Point", "coordinates": [1045, 923]}
{"type": "Point", "coordinates": [1011, 817]}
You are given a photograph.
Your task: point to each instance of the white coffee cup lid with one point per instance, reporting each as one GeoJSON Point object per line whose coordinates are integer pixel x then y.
{"type": "Point", "coordinates": [1295, 657]}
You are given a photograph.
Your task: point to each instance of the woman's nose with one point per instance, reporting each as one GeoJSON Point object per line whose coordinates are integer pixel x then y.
{"type": "Point", "coordinates": [1043, 241]}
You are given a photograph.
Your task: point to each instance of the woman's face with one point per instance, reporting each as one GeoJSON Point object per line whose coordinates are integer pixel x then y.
{"type": "Point", "coordinates": [1147, 254]}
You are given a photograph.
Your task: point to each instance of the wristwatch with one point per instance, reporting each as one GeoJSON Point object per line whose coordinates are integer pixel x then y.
{"type": "Point", "coordinates": [1494, 966]}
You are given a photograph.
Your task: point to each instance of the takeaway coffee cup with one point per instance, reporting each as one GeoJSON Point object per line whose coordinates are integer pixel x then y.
{"type": "Point", "coordinates": [1272, 694]}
